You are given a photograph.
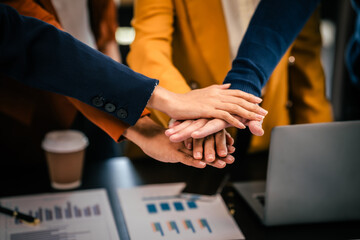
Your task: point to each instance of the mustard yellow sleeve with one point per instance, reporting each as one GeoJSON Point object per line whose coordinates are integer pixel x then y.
{"type": "Point", "coordinates": [151, 51]}
{"type": "Point", "coordinates": [307, 78]}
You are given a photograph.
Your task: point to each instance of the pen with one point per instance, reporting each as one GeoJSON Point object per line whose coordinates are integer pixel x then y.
{"type": "Point", "coordinates": [18, 215]}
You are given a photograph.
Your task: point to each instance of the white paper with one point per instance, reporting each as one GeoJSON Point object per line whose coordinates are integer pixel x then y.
{"type": "Point", "coordinates": [78, 215]}
{"type": "Point", "coordinates": [157, 212]}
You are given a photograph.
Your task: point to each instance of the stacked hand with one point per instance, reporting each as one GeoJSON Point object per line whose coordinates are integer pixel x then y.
{"type": "Point", "coordinates": [216, 101]}
{"type": "Point", "coordinates": [151, 138]}
{"type": "Point", "coordinates": [203, 140]}
{"type": "Point", "coordinates": [181, 130]}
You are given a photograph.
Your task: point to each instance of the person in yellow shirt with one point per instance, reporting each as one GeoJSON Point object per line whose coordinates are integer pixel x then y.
{"type": "Point", "coordinates": [191, 44]}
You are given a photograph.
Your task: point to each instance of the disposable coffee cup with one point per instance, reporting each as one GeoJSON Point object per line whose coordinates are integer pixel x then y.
{"type": "Point", "coordinates": [65, 152]}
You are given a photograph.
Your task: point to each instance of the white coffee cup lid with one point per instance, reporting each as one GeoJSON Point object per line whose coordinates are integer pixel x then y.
{"type": "Point", "coordinates": [64, 141]}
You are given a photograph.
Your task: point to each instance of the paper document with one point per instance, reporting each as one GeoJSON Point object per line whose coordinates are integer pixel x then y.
{"type": "Point", "coordinates": [78, 215]}
{"type": "Point", "coordinates": [158, 212]}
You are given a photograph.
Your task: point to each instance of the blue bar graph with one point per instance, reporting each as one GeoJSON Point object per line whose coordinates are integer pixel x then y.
{"type": "Point", "coordinates": [96, 210]}
{"type": "Point", "coordinates": [173, 226]}
{"type": "Point", "coordinates": [151, 208]}
{"type": "Point", "coordinates": [87, 212]}
{"type": "Point", "coordinates": [77, 212]}
{"type": "Point", "coordinates": [68, 212]}
{"type": "Point", "coordinates": [188, 225]}
{"type": "Point", "coordinates": [204, 224]}
{"type": "Point", "coordinates": [39, 214]}
{"type": "Point", "coordinates": [178, 206]}
{"type": "Point", "coordinates": [48, 215]}
{"type": "Point", "coordinates": [157, 228]}
{"type": "Point", "coordinates": [165, 206]}
{"type": "Point", "coordinates": [59, 213]}
{"type": "Point", "coordinates": [192, 204]}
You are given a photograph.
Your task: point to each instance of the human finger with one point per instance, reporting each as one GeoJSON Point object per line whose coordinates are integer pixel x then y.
{"type": "Point", "coordinates": [232, 120]}
{"type": "Point", "coordinates": [244, 95]}
{"type": "Point", "coordinates": [245, 104]}
{"type": "Point", "coordinates": [173, 123]}
{"type": "Point", "coordinates": [188, 143]}
{"type": "Point", "coordinates": [186, 132]}
{"type": "Point", "coordinates": [238, 110]}
{"type": "Point", "coordinates": [218, 163]}
{"type": "Point", "coordinates": [256, 128]}
{"type": "Point", "coordinates": [220, 143]}
{"type": "Point", "coordinates": [209, 128]}
{"type": "Point", "coordinates": [209, 149]}
{"type": "Point", "coordinates": [229, 159]}
{"type": "Point", "coordinates": [198, 148]}
{"type": "Point", "coordinates": [177, 128]}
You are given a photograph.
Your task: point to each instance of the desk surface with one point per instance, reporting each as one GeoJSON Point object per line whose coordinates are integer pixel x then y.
{"type": "Point", "coordinates": [121, 172]}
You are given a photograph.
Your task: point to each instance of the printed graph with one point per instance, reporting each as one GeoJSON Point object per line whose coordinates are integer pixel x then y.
{"type": "Point", "coordinates": [78, 215]}
{"type": "Point", "coordinates": [68, 211]}
{"type": "Point", "coordinates": [158, 207]}
{"type": "Point", "coordinates": [162, 213]}
{"type": "Point", "coordinates": [187, 225]}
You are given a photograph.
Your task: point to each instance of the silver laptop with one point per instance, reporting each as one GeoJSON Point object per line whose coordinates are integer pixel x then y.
{"type": "Point", "coordinates": [313, 175]}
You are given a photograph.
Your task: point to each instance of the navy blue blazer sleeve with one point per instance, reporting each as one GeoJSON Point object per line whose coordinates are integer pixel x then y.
{"type": "Point", "coordinates": [41, 56]}
{"type": "Point", "coordinates": [273, 27]}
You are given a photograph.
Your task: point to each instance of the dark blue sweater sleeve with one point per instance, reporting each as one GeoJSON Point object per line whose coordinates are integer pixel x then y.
{"type": "Point", "coordinates": [41, 56]}
{"type": "Point", "coordinates": [273, 27]}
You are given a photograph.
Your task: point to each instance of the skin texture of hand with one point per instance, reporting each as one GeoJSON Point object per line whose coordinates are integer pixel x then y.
{"type": "Point", "coordinates": [150, 137]}
{"type": "Point", "coordinates": [216, 101]}
{"type": "Point", "coordinates": [180, 131]}
{"type": "Point", "coordinates": [215, 149]}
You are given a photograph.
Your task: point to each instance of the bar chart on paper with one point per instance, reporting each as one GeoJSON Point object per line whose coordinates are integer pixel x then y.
{"type": "Point", "coordinates": [161, 214]}
{"type": "Point", "coordinates": [73, 215]}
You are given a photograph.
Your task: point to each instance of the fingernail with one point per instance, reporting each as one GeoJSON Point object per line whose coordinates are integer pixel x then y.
{"type": "Point", "coordinates": [241, 125]}
{"type": "Point", "coordinates": [210, 157]}
{"type": "Point", "coordinates": [189, 145]}
{"type": "Point", "coordinates": [258, 99]}
{"type": "Point", "coordinates": [198, 155]}
{"type": "Point", "coordinates": [263, 111]}
{"type": "Point", "coordinates": [231, 148]}
{"type": "Point", "coordinates": [202, 164]}
{"type": "Point", "coordinates": [231, 158]}
{"type": "Point", "coordinates": [195, 133]}
{"type": "Point", "coordinates": [222, 164]}
{"type": "Point", "coordinates": [259, 117]}
{"type": "Point", "coordinates": [169, 131]}
{"type": "Point", "coordinates": [222, 153]}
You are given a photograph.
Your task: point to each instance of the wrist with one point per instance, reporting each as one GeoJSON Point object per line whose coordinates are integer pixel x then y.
{"type": "Point", "coordinates": [161, 100]}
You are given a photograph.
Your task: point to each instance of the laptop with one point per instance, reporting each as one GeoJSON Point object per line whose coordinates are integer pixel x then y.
{"type": "Point", "coordinates": [313, 175]}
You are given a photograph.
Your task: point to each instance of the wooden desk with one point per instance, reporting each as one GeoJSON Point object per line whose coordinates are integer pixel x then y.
{"type": "Point", "coordinates": [121, 172]}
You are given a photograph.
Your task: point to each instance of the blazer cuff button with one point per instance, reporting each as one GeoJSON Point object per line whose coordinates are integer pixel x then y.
{"type": "Point", "coordinates": [109, 107]}
{"type": "Point", "coordinates": [122, 113]}
{"type": "Point", "coordinates": [97, 101]}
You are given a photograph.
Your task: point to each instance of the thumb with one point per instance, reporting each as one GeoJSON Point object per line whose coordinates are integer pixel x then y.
{"type": "Point", "coordinates": [256, 128]}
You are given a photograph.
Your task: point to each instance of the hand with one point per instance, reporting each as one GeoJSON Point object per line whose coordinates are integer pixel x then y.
{"type": "Point", "coordinates": [214, 149]}
{"type": "Point", "coordinates": [150, 137]}
{"type": "Point", "coordinates": [216, 101]}
{"type": "Point", "coordinates": [179, 131]}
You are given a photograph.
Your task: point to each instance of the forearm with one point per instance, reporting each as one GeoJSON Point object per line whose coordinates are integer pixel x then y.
{"type": "Point", "coordinates": [274, 26]}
